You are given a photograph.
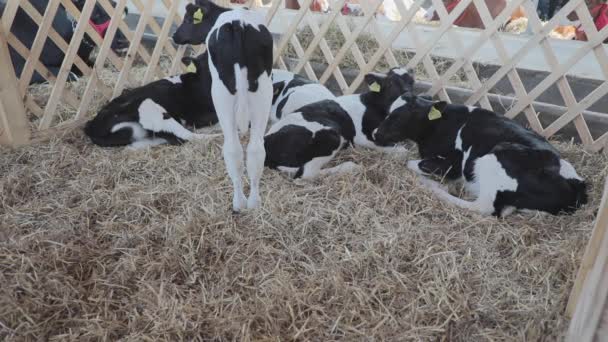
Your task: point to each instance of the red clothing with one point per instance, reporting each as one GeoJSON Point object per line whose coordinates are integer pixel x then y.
{"type": "Point", "coordinates": [600, 18]}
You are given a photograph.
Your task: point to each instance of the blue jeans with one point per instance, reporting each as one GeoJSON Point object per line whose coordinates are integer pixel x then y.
{"type": "Point", "coordinates": [543, 9]}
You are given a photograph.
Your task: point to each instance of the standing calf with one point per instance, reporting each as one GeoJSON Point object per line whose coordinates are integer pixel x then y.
{"type": "Point", "coordinates": [240, 61]}
{"type": "Point", "coordinates": [505, 166]}
{"type": "Point", "coordinates": [154, 114]}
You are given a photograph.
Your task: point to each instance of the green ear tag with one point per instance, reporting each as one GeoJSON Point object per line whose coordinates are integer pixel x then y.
{"type": "Point", "coordinates": [434, 114]}
{"type": "Point", "coordinates": [375, 87]}
{"type": "Point", "coordinates": [191, 68]}
{"type": "Point", "coordinates": [198, 16]}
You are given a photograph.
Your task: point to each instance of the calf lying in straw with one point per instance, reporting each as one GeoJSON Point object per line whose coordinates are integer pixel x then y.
{"type": "Point", "coordinates": [154, 114]}
{"type": "Point", "coordinates": [292, 91]}
{"type": "Point", "coordinates": [303, 142]}
{"type": "Point", "coordinates": [240, 61]}
{"type": "Point", "coordinates": [504, 166]}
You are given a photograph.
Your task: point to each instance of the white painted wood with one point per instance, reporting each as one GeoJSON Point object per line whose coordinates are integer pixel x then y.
{"type": "Point", "coordinates": [587, 68]}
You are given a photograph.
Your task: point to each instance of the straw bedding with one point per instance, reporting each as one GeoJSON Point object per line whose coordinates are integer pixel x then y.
{"type": "Point", "coordinates": [107, 244]}
{"type": "Point", "coordinates": [141, 245]}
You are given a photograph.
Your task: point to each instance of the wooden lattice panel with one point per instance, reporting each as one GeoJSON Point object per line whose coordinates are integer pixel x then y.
{"type": "Point", "coordinates": [421, 55]}
{"type": "Point", "coordinates": [106, 57]}
{"type": "Point", "coordinates": [523, 100]}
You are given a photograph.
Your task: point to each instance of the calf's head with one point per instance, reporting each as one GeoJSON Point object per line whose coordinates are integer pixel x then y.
{"type": "Point", "coordinates": [197, 68]}
{"type": "Point", "coordinates": [197, 86]}
{"type": "Point", "coordinates": [198, 21]}
{"type": "Point", "coordinates": [410, 118]}
{"type": "Point", "coordinates": [385, 88]}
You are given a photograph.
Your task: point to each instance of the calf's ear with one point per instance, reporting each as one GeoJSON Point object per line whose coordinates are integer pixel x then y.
{"type": "Point", "coordinates": [374, 81]}
{"type": "Point", "coordinates": [192, 64]}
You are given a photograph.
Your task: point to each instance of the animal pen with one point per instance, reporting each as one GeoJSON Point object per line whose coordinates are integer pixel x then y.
{"type": "Point", "coordinates": [459, 277]}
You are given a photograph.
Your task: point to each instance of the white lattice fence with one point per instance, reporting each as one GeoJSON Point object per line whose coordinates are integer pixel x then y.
{"type": "Point", "coordinates": [420, 56]}
{"type": "Point", "coordinates": [62, 93]}
{"type": "Point", "coordinates": [440, 80]}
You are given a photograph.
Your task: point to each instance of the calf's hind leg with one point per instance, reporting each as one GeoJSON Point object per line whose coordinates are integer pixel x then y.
{"type": "Point", "coordinates": [490, 178]}
{"type": "Point", "coordinates": [232, 149]}
{"type": "Point", "coordinates": [260, 103]}
{"type": "Point", "coordinates": [324, 147]}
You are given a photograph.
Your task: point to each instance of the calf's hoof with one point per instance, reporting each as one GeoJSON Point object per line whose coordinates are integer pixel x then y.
{"type": "Point", "coordinates": [253, 202]}
{"type": "Point", "coordinates": [238, 203]}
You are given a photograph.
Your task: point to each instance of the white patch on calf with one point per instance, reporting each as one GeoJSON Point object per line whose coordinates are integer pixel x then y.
{"type": "Point", "coordinates": [288, 169]}
{"type": "Point", "coordinates": [259, 104]}
{"type": "Point", "coordinates": [400, 71]}
{"type": "Point", "coordinates": [490, 177]}
{"type": "Point", "coordinates": [297, 120]}
{"type": "Point", "coordinates": [241, 15]}
{"type": "Point", "coordinates": [177, 79]}
{"type": "Point", "coordinates": [465, 158]}
{"type": "Point", "coordinates": [242, 107]}
{"type": "Point", "coordinates": [507, 210]}
{"type": "Point", "coordinates": [225, 106]}
{"type": "Point", "coordinates": [148, 142]}
{"type": "Point", "coordinates": [567, 171]}
{"type": "Point", "coordinates": [340, 169]}
{"type": "Point", "coordinates": [300, 96]}
{"type": "Point", "coordinates": [313, 167]}
{"type": "Point", "coordinates": [356, 109]}
{"type": "Point", "coordinates": [471, 108]}
{"type": "Point", "coordinates": [414, 166]}
{"type": "Point", "coordinates": [458, 145]}
{"type": "Point", "coordinates": [137, 131]}
{"type": "Point", "coordinates": [398, 103]}
{"type": "Point", "coordinates": [280, 75]}
{"type": "Point", "coordinates": [151, 117]}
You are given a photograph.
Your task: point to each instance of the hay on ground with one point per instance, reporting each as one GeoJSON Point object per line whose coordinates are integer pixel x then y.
{"type": "Point", "coordinates": [140, 245]}
{"type": "Point", "coordinates": [109, 243]}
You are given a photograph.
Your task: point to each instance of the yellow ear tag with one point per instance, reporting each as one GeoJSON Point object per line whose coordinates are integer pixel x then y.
{"type": "Point", "coordinates": [434, 114]}
{"type": "Point", "coordinates": [375, 87]}
{"type": "Point", "coordinates": [191, 68]}
{"type": "Point", "coordinates": [198, 16]}
{"type": "Point", "coordinates": [276, 91]}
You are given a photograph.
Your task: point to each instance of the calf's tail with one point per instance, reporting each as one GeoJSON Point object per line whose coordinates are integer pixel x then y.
{"type": "Point", "coordinates": [242, 91]}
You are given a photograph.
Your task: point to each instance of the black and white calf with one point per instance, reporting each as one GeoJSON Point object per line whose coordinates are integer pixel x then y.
{"type": "Point", "coordinates": [504, 166]}
{"type": "Point", "coordinates": [292, 91]}
{"type": "Point", "coordinates": [301, 143]}
{"type": "Point", "coordinates": [240, 61]}
{"type": "Point", "coordinates": [367, 110]}
{"type": "Point", "coordinates": [156, 113]}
